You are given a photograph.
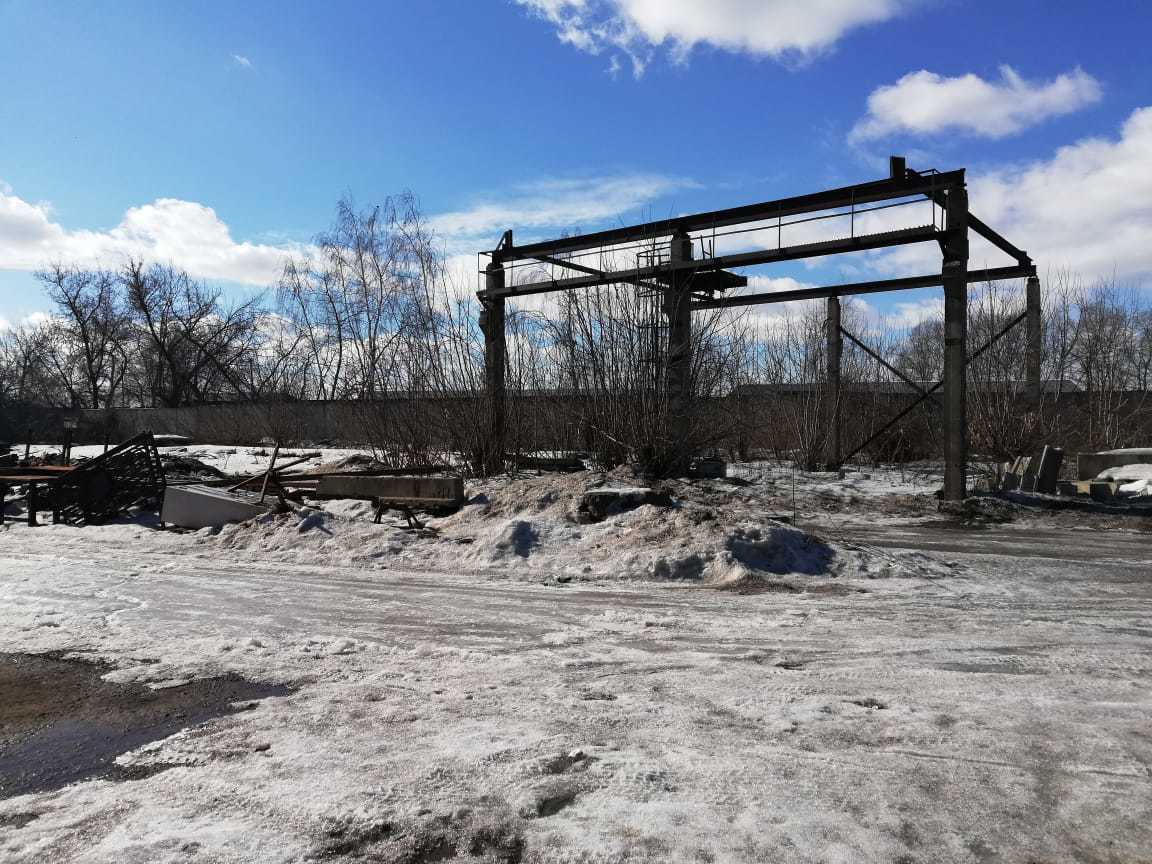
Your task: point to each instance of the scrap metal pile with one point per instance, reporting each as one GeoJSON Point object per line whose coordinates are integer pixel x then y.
{"type": "Point", "coordinates": [96, 490]}
{"type": "Point", "coordinates": [204, 505]}
{"type": "Point", "coordinates": [129, 475]}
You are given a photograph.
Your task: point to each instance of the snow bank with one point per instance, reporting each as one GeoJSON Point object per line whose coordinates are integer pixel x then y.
{"type": "Point", "coordinates": [536, 528]}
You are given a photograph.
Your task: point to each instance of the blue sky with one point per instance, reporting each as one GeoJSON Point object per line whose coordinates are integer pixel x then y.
{"type": "Point", "coordinates": [217, 135]}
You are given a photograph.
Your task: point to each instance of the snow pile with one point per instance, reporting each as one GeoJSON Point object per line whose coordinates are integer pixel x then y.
{"type": "Point", "coordinates": [538, 528]}
{"type": "Point", "coordinates": [311, 535]}
{"type": "Point", "coordinates": [1135, 479]}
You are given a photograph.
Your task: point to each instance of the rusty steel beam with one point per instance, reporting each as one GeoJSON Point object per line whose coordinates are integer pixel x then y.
{"type": "Point", "coordinates": [886, 239]}
{"type": "Point", "coordinates": [875, 356]}
{"type": "Point", "coordinates": [847, 196]}
{"type": "Point", "coordinates": [931, 391]}
{"type": "Point", "coordinates": [492, 325]}
{"type": "Point", "coordinates": [593, 271]}
{"type": "Point", "coordinates": [834, 349]}
{"type": "Point", "coordinates": [878, 286]}
{"type": "Point", "coordinates": [983, 229]}
{"type": "Point", "coordinates": [1034, 343]}
{"type": "Point", "coordinates": [954, 268]}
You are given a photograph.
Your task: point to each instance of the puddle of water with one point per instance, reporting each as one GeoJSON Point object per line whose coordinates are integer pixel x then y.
{"type": "Point", "coordinates": [61, 723]}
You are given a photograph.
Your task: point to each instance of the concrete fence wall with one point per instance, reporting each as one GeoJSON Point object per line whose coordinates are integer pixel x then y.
{"type": "Point", "coordinates": [762, 421]}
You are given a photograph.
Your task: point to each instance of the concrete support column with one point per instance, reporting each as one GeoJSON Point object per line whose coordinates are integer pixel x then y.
{"type": "Point", "coordinates": [1034, 343]}
{"type": "Point", "coordinates": [678, 311]}
{"type": "Point", "coordinates": [834, 352]}
{"type": "Point", "coordinates": [495, 363]}
{"type": "Point", "coordinates": [955, 277]}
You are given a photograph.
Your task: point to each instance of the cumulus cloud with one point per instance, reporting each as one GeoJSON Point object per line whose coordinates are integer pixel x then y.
{"type": "Point", "coordinates": [184, 233]}
{"type": "Point", "coordinates": [1085, 208]}
{"type": "Point", "coordinates": [924, 103]}
{"type": "Point", "coordinates": [763, 28]}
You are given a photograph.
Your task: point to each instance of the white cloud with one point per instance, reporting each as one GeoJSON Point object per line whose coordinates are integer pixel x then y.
{"type": "Point", "coordinates": [765, 28]}
{"type": "Point", "coordinates": [923, 103]}
{"type": "Point", "coordinates": [184, 233]}
{"type": "Point", "coordinates": [1086, 208]}
{"type": "Point", "coordinates": [909, 314]}
{"type": "Point", "coordinates": [242, 61]}
{"type": "Point", "coordinates": [32, 319]}
{"type": "Point", "coordinates": [864, 311]}
{"type": "Point", "coordinates": [771, 285]}
{"type": "Point", "coordinates": [556, 204]}
{"type": "Point", "coordinates": [769, 317]}
{"type": "Point", "coordinates": [192, 235]}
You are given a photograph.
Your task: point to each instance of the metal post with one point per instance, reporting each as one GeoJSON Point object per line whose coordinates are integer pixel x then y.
{"type": "Point", "coordinates": [33, 503]}
{"type": "Point", "coordinates": [495, 361]}
{"type": "Point", "coordinates": [955, 279]}
{"type": "Point", "coordinates": [835, 350]}
{"type": "Point", "coordinates": [678, 309]}
{"type": "Point", "coordinates": [1034, 337]}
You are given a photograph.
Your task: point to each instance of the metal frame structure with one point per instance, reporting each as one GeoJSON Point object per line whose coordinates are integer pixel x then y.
{"type": "Point", "coordinates": [692, 283]}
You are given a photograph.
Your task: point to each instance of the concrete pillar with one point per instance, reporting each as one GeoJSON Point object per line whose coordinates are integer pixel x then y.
{"type": "Point", "coordinates": [495, 362]}
{"type": "Point", "coordinates": [1034, 343]}
{"type": "Point", "coordinates": [835, 350]}
{"type": "Point", "coordinates": [678, 311]}
{"type": "Point", "coordinates": [955, 277]}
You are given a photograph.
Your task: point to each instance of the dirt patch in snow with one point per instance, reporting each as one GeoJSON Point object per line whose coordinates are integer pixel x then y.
{"type": "Point", "coordinates": [487, 832]}
{"type": "Point", "coordinates": [61, 722]}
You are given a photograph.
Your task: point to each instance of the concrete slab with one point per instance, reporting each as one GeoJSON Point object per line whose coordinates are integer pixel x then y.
{"type": "Point", "coordinates": [196, 506]}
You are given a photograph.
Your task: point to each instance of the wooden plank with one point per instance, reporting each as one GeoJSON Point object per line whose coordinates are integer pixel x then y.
{"type": "Point", "coordinates": [268, 473]}
{"type": "Point", "coordinates": [422, 490]}
{"type": "Point", "coordinates": [254, 477]}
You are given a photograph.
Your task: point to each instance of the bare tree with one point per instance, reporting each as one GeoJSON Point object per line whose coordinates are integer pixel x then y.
{"type": "Point", "coordinates": [92, 322]}
{"type": "Point", "coordinates": [193, 347]}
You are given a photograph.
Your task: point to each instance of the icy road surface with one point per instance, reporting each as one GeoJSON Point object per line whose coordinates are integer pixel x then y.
{"type": "Point", "coordinates": [999, 714]}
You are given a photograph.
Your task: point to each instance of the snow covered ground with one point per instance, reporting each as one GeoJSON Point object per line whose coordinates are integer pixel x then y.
{"type": "Point", "coordinates": [661, 686]}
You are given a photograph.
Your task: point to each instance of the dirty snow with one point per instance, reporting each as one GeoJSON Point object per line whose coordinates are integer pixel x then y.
{"type": "Point", "coordinates": [530, 527]}
{"type": "Point", "coordinates": [878, 687]}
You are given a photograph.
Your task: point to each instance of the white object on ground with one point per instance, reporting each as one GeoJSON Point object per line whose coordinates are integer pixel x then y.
{"type": "Point", "coordinates": [1127, 473]}
{"type": "Point", "coordinates": [199, 506]}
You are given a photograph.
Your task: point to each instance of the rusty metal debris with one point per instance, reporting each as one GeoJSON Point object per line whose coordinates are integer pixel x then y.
{"type": "Point", "coordinates": [94, 491]}
{"type": "Point", "coordinates": [99, 489]}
